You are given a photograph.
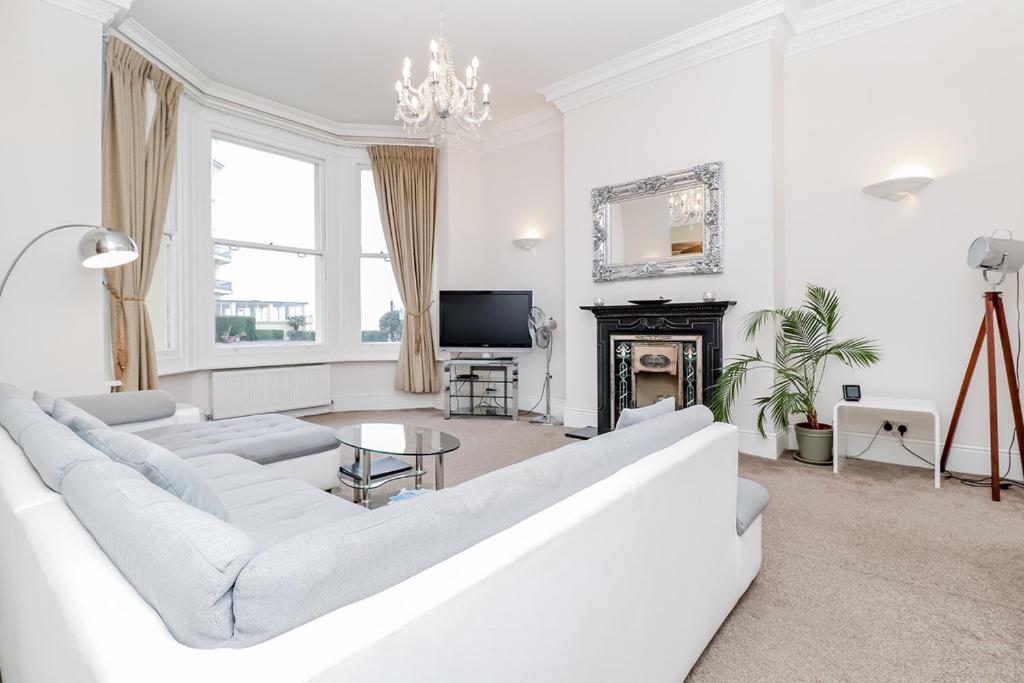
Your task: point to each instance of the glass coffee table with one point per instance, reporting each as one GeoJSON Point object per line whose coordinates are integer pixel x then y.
{"type": "Point", "coordinates": [389, 440]}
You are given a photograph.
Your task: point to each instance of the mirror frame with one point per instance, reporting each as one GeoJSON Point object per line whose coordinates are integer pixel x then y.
{"type": "Point", "coordinates": [709, 261]}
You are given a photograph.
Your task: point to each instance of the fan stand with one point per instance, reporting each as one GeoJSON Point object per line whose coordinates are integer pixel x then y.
{"type": "Point", "coordinates": [546, 419]}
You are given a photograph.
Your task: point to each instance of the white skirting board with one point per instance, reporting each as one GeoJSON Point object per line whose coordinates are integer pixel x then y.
{"type": "Point", "coordinates": [390, 401]}
{"type": "Point", "coordinates": [527, 401]}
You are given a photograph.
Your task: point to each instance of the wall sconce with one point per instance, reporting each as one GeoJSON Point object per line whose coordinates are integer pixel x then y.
{"type": "Point", "coordinates": [527, 243]}
{"type": "Point", "coordinates": [896, 189]}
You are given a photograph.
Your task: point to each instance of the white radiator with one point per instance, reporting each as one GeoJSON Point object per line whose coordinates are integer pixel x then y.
{"type": "Point", "coordinates": [269, 390]}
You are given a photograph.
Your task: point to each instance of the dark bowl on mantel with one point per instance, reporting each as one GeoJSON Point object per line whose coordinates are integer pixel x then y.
{"type": "Point", "coordinates": [649, 302]}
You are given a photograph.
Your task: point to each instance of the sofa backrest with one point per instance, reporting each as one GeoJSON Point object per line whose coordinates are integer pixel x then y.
{"type": "Point", "coordinates": [338, 564]}
{"type": "Point", "coordinates": [181, 560]}
{"type": "Point", "coordinates": [52, 448]}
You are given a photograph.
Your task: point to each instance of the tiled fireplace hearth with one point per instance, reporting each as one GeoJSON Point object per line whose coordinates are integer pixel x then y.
{"type": "Point", "coordinates": [648, 352]}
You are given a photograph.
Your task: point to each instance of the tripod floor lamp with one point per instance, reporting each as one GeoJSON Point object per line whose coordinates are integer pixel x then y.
{"type": "Point", "coordinates": [99, 248]}
{"type": "Point", "coordinates": [1001, 256]}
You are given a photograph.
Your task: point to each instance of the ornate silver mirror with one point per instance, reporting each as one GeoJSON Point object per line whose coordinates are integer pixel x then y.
{"type": "Point", "coordinates": [663, 225]}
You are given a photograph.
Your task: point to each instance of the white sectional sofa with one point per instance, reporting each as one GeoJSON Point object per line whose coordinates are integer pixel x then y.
{"type": "Point", "coordinates": [611, 560]}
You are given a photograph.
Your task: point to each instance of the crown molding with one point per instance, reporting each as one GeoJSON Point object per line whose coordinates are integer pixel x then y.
{"type": "Point", "coordinates": [224, 98]}
{"type": "Point", "coordinates": [844, 19]}
{"type": "Point", "coordinates": [523, 128]}
{"type": "Point", "coordinates": [103, 11]}
{"type": "Point", "coordinates": [789, 31]}
{"type": "Point", "coordinates": [683, 48]}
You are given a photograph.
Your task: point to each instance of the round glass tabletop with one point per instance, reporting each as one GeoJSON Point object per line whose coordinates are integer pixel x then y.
{"type": "Point", "coordinates": [396, 439]}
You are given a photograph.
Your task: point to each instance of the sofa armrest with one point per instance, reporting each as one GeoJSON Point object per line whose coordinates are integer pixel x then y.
{"type": "Point", "coordinates": [183, 414]}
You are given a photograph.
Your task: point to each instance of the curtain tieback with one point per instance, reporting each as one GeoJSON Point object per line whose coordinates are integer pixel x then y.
{"type": "Point", "coordinates": [121, 298]}
{"type": "Point", "coordinates": [419, 314]}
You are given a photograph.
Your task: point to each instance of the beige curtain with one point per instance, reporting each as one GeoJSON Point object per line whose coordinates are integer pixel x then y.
{"type": "Point", "coordinates": [137, 169]}
{"type": "Point", "coordinates": [406, 180]}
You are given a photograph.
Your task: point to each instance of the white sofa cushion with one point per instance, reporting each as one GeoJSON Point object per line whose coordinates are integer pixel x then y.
{"type": "Point", "coordinates": [265, 504]}
{"type": "Point", "coordinates": [260, 438]}
{"type": "Point", "coordinates": [74, 418]}
{"type": "Point", "coordinates": [181, 560]}
{"type": "Point", "coordinates": [160, 466]}
{"type": "Point", "coordinates": [126, 407]}
{"type": "Point", "coordinates": [633, 416]}
{"type": "Point", "coordinates": [52, 448]}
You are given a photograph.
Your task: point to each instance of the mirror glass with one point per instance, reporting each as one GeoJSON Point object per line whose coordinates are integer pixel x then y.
{"type": "Point", "coordinates": [657, 227]}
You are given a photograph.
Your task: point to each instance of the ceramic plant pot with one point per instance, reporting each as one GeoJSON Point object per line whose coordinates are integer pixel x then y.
{"type": "Point", "coordinates": [814, 445]}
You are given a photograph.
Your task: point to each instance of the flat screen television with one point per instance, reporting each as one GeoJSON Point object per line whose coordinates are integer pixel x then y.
{"type": "Point", "coordinates": [479, 319]}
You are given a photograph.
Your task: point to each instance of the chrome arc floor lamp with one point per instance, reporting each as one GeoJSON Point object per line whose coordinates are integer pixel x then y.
{"type": "Point", "coordinates": [99, 248]}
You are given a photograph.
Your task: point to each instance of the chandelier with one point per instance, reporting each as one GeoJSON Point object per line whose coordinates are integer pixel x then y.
{"type": "Point", "coordinates": [442, 96]}
{"type": "Point", "coordinates": [686, 207]}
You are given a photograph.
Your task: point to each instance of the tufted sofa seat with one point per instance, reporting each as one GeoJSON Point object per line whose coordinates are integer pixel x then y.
{"type": "Point", "coordinates": [263, 439]}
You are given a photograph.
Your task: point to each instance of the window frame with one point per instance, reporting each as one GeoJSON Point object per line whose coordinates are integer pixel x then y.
{"type": "Point", "coordinates": [210, 354]}
{"type": "Point", "coordinates": [388, 347]}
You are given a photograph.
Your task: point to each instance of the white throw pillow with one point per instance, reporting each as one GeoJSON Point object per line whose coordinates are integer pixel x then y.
{"type": "Point", "coordinates": [632, 416]}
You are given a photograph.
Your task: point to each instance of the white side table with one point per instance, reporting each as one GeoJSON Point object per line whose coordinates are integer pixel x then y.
{"type": "Point", "coordinates": [880, 403]}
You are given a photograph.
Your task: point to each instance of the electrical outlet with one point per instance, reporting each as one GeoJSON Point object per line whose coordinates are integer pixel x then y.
{"type": "Point", "coordinates": [902, 429]}
{"type": "Point", "coordinates": [887, 425]}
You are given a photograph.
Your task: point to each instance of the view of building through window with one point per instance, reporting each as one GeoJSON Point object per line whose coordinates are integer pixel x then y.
{"type": "Point", "coordinates": [381, 310]}
{"type": "Point", "coordinates": [266, 252]}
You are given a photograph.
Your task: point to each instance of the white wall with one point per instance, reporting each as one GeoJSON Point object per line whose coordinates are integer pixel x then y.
{"type": "Point", "coordinates": [53, 309]}
{"type": "Point", "coordinates": [943, 92]}
{"type": "Point", "coordinates": [656, 128]}
{"type": "Point", "coordinates": [489, 197]}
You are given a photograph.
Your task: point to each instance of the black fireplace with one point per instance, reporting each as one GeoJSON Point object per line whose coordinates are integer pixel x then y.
{"type": "Point", "coordinates": [647, 352]}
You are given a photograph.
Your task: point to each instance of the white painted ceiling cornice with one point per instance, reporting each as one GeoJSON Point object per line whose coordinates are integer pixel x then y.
{"type": "Point", "coordinates": [103, 11]}
{"type": "Point", "coordinates": [765, 20]}
{"type": "Point", "coordinates": [220, 97]}
{"type": "Point", "coordinates": [224, 98]}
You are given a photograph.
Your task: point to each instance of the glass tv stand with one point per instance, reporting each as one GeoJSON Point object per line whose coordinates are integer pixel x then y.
{"type": "Point", "coordinates": [481, 387]}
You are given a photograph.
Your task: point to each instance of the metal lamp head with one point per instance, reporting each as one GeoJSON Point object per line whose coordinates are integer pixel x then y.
{"type": "Point", "coordinates": [993, 253]}
{"type": "Point", "coordinates": [104, 248]}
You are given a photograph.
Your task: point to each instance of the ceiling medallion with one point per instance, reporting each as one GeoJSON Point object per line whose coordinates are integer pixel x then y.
{"type": "Point", "coordinates": [441, 97]}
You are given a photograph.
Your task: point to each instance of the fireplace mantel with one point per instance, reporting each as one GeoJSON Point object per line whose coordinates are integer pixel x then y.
{"type": "Point", "coordinates": [701, 318]}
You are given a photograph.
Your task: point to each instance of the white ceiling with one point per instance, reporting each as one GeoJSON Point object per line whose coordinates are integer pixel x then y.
{"type": "Point", "coordinates": [340, 58]}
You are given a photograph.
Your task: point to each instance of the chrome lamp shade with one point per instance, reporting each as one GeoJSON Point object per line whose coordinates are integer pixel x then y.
{"type": "Point", "coordinates": [105, 248]}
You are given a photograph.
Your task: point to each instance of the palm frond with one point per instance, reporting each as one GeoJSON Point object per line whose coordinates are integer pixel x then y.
{"type": "Point", "coordinates": [824, 304]}
{"type": "Point", "coordinates": [859, 352]}
{"type": "Point", "coordinates": [729, 383]}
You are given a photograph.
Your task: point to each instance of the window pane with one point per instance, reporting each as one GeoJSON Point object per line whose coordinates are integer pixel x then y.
{"type": "Point", "coordinates": [264, 296]}
{"type": "Point", "coordinates": [158, 300]}
{"type": "Point", "coordinates": [259, 196]}
{"type": "Point", "coordinates": [382, 312]}
{"type": "Point", "coordinates": [372, 232]}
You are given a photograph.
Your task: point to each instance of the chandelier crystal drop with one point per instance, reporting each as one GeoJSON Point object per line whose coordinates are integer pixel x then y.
{"type": "Point", "coordinates": [442, 96]}
{"type": "Point", "coordinates": [686, 207]}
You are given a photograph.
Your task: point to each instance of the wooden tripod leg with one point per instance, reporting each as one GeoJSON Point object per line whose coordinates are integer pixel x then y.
{"type": "Point", "coordinates": [993, 407]}
{"type": "Point", "coordinates": [955, 419]}
{"type": "Point", "coordinates": [1011, 377]}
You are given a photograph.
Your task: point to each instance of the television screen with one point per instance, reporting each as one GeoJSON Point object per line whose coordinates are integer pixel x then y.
{"type": "Point", "coordinates": [484, 319]}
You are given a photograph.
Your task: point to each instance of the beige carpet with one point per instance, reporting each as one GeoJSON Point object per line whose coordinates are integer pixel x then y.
{"type": "Point", "coordinates": [871, 575]}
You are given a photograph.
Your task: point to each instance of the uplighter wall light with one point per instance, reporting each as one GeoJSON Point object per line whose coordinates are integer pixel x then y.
{"type": "Point", "coordinates": [527, 244]}
{"type": "Point", "coordinates": [896, 189]}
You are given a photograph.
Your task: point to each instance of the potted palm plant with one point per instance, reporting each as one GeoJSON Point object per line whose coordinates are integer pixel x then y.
{"type": "Point", "coordinates": [803, 347]}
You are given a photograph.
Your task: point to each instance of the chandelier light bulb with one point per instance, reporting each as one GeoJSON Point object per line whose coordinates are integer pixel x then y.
{"type": "Point", "coordinates": [487, 92]}
{"type": "Point", "coordinates": [433, 48]}
{"type": "Point", "coordinates": [476, 63]}
{"type": "Point", "coordinates": [398, 86]}
{"type": "Point", "coordinates": [469, 76]}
